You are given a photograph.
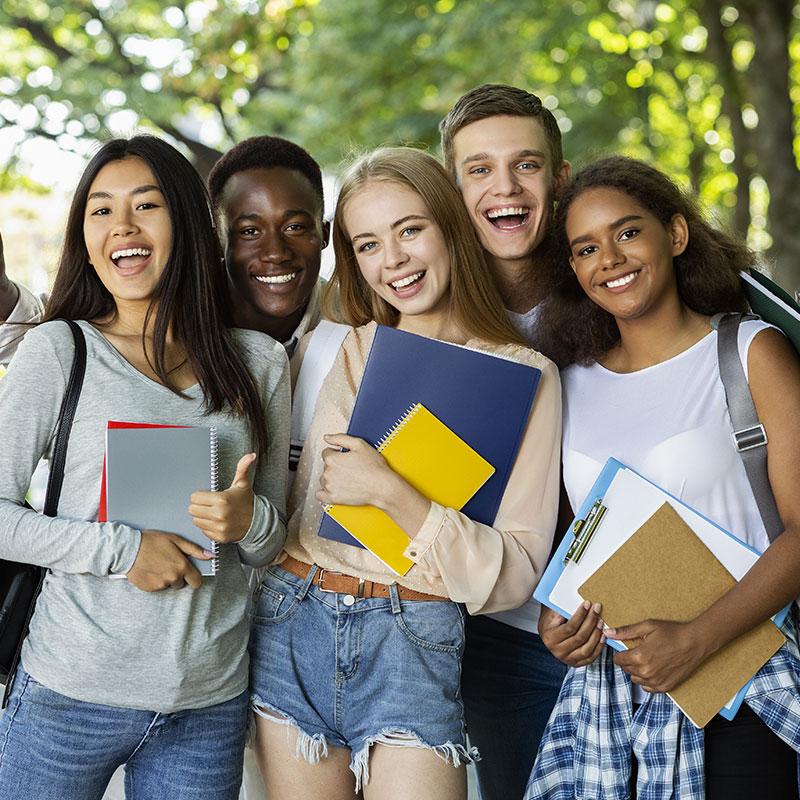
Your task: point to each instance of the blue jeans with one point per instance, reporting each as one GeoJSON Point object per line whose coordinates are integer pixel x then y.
{"type": "Point", "coordinates": [56, 748]}
{"type": "Point", "coordinates": [510, 683]}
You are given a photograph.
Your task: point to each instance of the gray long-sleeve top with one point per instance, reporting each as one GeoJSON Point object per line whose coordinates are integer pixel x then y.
{"type": "Point", "coordinates": [102, 640]}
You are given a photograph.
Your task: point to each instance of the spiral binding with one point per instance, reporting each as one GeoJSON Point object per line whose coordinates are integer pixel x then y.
{"type": "Point", "coordinates": [399, 425]}
{"type": "Point", "coordinates": [214, 448]}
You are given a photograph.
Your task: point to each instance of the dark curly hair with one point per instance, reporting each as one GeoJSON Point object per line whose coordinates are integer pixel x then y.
{"type": "Point", "coordinates": [575, 329]}
{"type": "Point", "coordinates": [264, 152]}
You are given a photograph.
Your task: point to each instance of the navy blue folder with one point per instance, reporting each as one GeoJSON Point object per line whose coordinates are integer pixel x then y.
{"type": "Point", "coordinates": [484, 399]}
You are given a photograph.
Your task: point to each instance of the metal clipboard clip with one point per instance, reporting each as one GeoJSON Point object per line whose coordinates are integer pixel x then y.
{"type": "Point", "coordinates": [583, 530]}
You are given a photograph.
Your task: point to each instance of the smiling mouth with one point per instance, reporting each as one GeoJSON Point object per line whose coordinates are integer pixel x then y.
{"type": "Point", "coordinates": [617, 283]}
{"type": "Point", "coordinates": [276, 279]}
{"type": "Point", "coordinates": [409, 280]}
{"type": "Point", "coordinates": [130, 257]}
{"type": "Point", "coordinates": [508, 218]}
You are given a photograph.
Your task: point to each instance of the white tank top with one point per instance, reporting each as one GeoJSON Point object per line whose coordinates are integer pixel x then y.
{"type": "Point", "coordinates": [670, 423]}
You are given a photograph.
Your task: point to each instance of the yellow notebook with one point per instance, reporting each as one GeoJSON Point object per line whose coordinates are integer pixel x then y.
{"type": "Point", "coordinates": [436, 462]}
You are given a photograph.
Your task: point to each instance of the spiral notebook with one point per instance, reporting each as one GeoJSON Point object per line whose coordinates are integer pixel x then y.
{"type": "Point", "coordinates": [150, 473]}
{"type": "Point", "coordinates": [482, 397]}
{"type": "Point", "coordinates": [436, 462]}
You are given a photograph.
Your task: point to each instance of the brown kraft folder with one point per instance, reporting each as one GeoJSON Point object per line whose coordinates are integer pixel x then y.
{"type": "Point", "coordinates": [663, 571]}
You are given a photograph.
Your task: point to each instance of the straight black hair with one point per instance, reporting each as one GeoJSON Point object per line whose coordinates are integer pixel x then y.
{"type": "Point", "coordinates": [191, 295]}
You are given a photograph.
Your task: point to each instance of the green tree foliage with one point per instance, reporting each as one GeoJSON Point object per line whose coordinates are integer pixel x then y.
{"type": "Point", "coordinates": [199, 71]}
{"type": "Point", "coordinates": [705, 89]}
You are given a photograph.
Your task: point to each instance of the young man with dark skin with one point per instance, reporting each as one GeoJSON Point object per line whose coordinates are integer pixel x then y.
{"type": "Point", "coordinates": [503, 148]}
{"type": "Point", "coordinates": [268, 202]}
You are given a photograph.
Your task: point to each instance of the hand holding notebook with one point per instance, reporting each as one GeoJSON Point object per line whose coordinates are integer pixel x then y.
{"type": "Point", "coordinates": [150, 474]}
{"type": "Point", "coordinates": [225, 515]}
{"type": "Point", "coordinates": [433, 460]}
{"type": "Point", "coordinates": [664, 571]}
{"type": "Point", "coordinates": [457, 385]}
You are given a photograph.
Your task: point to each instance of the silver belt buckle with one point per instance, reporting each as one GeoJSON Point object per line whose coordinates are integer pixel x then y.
{"type": "Point", "coordinates": [321, 582]}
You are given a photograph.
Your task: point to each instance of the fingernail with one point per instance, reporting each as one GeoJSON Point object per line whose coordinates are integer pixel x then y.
{"type": "Point", "coordinates": [602, 639]}
{"type": "Point", "coordinates": [587, 605]}
{"type": "Point", "coordinates": [600, 625]}
{"type": "Point", "coordinates": [596, 608]}
{"type": "Point", "coordinates": [209, 553]}
{"type": "Point", "coordinates": [611, 631]}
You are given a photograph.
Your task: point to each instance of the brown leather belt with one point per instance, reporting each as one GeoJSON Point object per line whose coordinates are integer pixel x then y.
{"type": "Point", "coordinates": [328, 581]}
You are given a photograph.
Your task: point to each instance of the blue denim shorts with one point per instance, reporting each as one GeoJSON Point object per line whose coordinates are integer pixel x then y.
{"type": "Point", "coordinates": [352, 672]}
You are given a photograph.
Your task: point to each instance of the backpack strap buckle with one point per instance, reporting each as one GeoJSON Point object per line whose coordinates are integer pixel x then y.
{"type": "Point", "coordinates": [748, 438]}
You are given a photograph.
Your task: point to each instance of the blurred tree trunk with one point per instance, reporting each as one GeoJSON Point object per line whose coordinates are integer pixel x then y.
{"type": "Point", "coordinates": [720, 51]}
{"type": "Point", "coordinates": [773, 141]}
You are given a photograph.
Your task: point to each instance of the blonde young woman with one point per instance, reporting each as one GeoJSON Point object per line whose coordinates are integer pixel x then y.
{"type": "Point", "coordinates": [365, 690]}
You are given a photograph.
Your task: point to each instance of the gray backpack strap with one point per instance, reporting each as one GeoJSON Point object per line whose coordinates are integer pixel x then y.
{"type": "Point", "coordinates": [749, 436]}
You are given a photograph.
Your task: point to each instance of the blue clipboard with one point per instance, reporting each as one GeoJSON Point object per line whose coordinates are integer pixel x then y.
{"type": "Point", "coordinates": [555, 587]}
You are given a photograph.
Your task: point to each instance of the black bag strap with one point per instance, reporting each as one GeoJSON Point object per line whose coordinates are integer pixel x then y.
{"type": "Point", "coordinates": [56, 477]}
{"type": "Point", "coordinates": [749, 436]}
{"type": "Point", "coordinates": [65, 418]}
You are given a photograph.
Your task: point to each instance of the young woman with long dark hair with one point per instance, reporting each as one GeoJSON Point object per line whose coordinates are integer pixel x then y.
{"type": "Point", "coordinates": [152, 671]}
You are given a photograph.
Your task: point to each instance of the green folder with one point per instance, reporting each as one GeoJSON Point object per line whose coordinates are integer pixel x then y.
{"type": "Point", "coordinates": [773, 304]}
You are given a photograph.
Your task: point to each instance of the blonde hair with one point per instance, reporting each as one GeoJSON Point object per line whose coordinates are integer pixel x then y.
{"type": "Point", "coordinates": [475, 303]}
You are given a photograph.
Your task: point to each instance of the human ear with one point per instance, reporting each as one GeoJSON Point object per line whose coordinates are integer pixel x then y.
{"type": "Point", "coordinates": [326, 233]}
{"type": "Point", "coordinates": [679, 234]}
{"type": "Point", "coordinates": [561, 178]}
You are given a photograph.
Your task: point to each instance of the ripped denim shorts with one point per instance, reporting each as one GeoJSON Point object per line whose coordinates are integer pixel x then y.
{"type": "Point", "coordinates": [352, 672]}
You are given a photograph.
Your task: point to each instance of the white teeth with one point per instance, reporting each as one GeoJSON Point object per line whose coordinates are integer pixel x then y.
{"type": "Point", "coordinates": [131, 251]}
{"type": "Point", "coordinates": [507, 212]}
{"type": "Point", "coordinates": [276, 278]}
{"type": "Point", "coordinates": [623, 281]}
{"type": "Point", "coordinates": [407, 281]}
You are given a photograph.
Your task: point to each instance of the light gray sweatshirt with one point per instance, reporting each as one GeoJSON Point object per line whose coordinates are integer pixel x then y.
{"type": "Point", "coordinates": [102, 640]}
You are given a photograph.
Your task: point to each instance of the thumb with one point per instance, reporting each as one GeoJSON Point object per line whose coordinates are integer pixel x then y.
{"type": "Point", "coordinates": [636, 631]}
{"type": "Point", "coordinates": [241, 479]}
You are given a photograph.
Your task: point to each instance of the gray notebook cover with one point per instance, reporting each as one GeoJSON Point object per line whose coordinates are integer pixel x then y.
{"type": "Point", "coordinates": [151, 474]}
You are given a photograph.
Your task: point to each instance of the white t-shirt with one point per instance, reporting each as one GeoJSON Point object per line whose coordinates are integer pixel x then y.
{"type": "Point", "coordinates": [670, 423]}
